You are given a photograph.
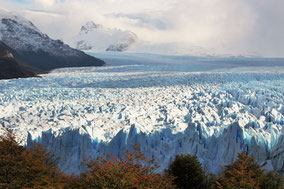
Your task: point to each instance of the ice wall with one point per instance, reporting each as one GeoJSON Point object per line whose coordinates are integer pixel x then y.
{"type": "Point", "coordinates": [80, 114]}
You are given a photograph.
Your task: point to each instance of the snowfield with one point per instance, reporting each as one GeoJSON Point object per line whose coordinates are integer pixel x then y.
{"type": "Point", "coordinates": [213, 113]}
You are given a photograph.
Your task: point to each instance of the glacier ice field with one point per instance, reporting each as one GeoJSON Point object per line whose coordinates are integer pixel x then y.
{"type": "Point", "coordinates": [166, 105]}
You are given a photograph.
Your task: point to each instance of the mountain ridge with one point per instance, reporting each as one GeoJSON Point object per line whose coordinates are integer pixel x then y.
{"type": "Point", "coordinates": [34, 48]}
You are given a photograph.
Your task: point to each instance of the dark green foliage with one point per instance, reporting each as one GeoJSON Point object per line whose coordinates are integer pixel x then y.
{"type": "Point", "coordinates": [272, 180]}
{"type": "Point", "coordinates": [187, 171]}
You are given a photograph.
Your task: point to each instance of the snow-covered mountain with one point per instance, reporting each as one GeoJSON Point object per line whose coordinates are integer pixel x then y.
{"type": "Point", "coordinates": [36, 49]}
{"type": "Point", "coordinates": [95, 37]}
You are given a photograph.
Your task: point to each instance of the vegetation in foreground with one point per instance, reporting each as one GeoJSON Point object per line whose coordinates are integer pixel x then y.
{"type": "Point", "coordinates": [36, 168]}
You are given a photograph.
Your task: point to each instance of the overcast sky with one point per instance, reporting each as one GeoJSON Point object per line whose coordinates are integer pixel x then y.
{"type": "Point", "coordinates": [229, 26]}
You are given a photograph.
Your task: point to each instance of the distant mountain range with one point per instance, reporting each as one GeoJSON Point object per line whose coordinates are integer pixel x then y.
{"type": "Point", "coordinates": [34, 49]}
{"type": "Point", "coordinates": [95, 37]}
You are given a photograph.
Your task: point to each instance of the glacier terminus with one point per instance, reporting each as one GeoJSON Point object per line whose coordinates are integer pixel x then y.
{"type": "Point", "coordinates": [210, 107]}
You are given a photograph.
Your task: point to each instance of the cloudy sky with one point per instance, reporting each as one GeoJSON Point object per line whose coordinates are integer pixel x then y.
{"type": "Point", "coordinates": [228, 26]}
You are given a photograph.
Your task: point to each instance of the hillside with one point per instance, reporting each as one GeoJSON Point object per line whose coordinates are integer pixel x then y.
{"type": "Point", "coordinates": [9, 67]}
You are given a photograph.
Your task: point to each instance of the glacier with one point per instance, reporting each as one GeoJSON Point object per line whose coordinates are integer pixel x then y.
{"type": "Point", "coordinates": [211, 109]}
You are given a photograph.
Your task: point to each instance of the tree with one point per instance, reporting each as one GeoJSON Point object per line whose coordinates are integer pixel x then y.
{"type": "Point", "coordinates": [245, 173]}
{"type": "Point", "coordinates": [39, 168]}
{"type": "Point", "coordinates": [133, 170]}
{"type": "Point", "coordinates": [10, 158]}
{"type": "Point", "coordinates": [187, 171]}
{"type": "Point", "coordinates": [26, 168]}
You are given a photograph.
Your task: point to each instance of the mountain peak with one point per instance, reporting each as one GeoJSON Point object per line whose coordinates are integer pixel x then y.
{"type": "Point", "coordinates": [97, 38]}
{"type": "Point", "coordinates": [89, 26]}
{"type": "Point", "coordinates": [5, 14]}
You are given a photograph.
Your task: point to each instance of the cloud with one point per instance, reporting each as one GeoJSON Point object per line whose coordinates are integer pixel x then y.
{"type": "Point", "coordinates": [228, 26]}
{"type": "Point", "coordinates": [44, 3]}
{"type": "Point", "coordinates": [144, 20]}
{"type": "Point", "coordinates": [267, 32]}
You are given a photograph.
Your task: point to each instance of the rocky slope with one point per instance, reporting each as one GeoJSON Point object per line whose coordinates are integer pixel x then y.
{"type": "Point", "coordinates": [9, 67]}
{"type": "Point", "coordinates": [94, 37]}
{"type": "Point", "coordinates": [36, 49]}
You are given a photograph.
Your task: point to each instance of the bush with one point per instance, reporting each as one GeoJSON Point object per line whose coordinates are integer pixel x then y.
{"type": "Point", "coordinates": [187, 171]}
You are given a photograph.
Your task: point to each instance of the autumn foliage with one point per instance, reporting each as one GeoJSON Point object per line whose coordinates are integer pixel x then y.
{"type": "Point", "coordinates": [26, 168]}
{"type": "Point", "coordinates": [133, 170]}
{"type": "Point", "coordinates": [245, 173]}
{"type": "Point", "coordinates": [35, 167]}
